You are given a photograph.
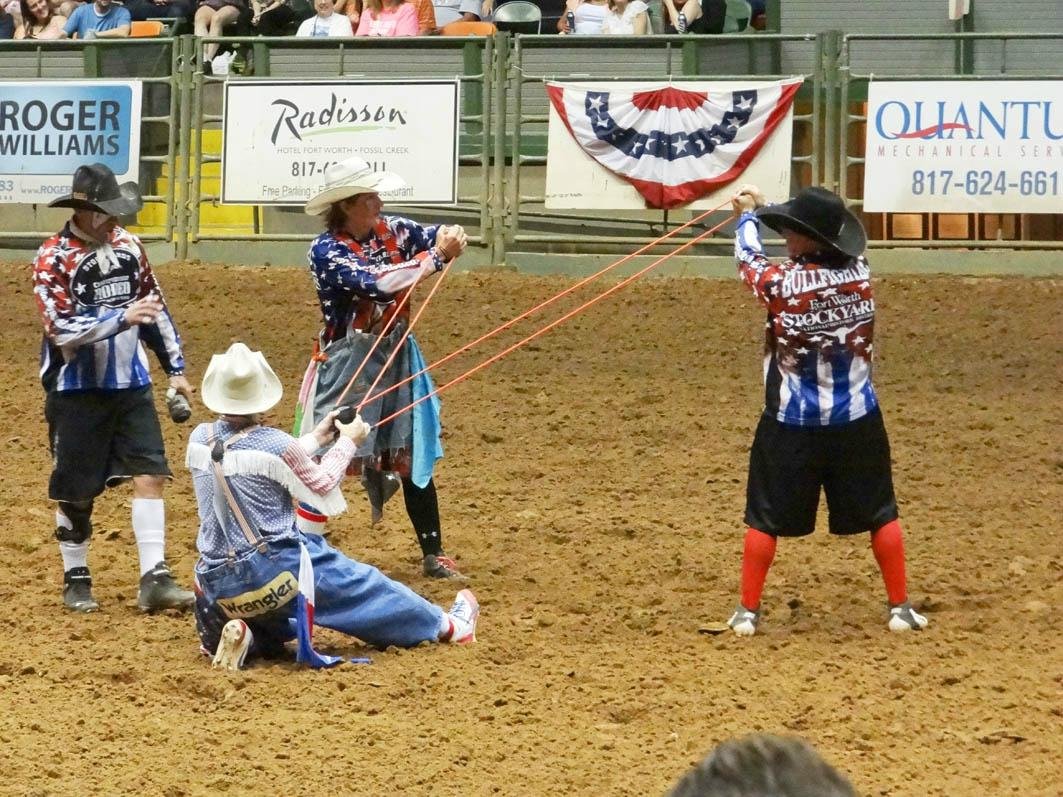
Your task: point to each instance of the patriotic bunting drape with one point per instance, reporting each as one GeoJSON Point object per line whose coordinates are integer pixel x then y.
{"type": "Point", "coordinates": [674, 146]}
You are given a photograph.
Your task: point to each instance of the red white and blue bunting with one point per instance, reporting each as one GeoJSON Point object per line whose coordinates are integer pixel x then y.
{"type": "Point", "coordinates": [674, 146]}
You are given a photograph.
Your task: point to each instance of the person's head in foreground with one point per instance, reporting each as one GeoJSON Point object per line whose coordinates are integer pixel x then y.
{"type": "Point", "coordinates": [763, 766]}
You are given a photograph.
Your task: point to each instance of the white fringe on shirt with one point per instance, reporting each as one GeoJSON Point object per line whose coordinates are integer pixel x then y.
{"type": "Point", "coordinates": [270, 466]}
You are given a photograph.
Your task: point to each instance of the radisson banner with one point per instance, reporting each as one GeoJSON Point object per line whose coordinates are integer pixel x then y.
{"type": "Point", "coordinates": [964, 146]}
{"type": "Point", "coordinates": [281, 135]}
{"type": "Point", "coordinates": [48, 129]}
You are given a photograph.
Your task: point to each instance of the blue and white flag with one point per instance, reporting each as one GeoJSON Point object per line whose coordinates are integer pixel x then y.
{"type": "Point", "coordinates": [674, 146]}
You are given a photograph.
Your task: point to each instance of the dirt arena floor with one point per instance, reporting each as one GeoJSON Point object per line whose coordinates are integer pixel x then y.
{"type": "Point", "coordinates": [593, 490]}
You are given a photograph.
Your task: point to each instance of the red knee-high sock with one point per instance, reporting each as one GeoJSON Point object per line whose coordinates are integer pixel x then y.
{"type": "Point", "coordinates": [888, 546]}
{"type": "Point", "coordinates": [756, 559]}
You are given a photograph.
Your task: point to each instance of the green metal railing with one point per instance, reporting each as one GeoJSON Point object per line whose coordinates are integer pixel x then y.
{"type": "Point", "coordinates": [503, 117]}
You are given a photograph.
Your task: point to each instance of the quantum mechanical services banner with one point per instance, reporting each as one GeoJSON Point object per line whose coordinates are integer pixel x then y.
{"type": "Point", "coordinates": [964, 147]}
{"type": "Point", "coordinates": [280, 136]}
{"type": "Point", "coordinates": [633, 145]}
{"type": "Point", "coordinates": [48, 129]}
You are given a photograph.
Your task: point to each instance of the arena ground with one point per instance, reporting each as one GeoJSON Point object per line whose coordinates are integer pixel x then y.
{"type": "Point", "coordinates": [593, 489]}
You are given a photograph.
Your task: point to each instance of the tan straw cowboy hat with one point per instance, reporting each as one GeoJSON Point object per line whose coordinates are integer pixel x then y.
{"type": "Point", "coordinates": [240, 382]}
{"type": "Point", "coordinates": [349, 178]}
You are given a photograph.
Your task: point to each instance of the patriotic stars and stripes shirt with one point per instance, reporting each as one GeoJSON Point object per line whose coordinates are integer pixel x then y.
{"type": "Point", "coordinates": [82, 293]}
{"type": "Point", "coordinates": [357, 280]}
{"type": "Point", "coordinates": [818, 336]}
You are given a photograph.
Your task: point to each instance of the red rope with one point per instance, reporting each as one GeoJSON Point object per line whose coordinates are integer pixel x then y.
{"type": "Point", "coordinates": [541, 305]}
{"type": "Point", "coordinates": [555, 323]}
{"type": "Point", "coordinates": [405, 334]}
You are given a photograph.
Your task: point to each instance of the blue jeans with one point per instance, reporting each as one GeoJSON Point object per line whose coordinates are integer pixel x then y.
{"type": "Point", "coordinates": [351, 597]}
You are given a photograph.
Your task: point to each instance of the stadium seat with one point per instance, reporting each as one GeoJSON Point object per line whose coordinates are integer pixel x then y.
{"type": "Point", "coordinates": [463, 28]}
{"type": "Point", "coordinates": [145, 29]}
{"type": "Point", "coordinates": [737, 17]}
{"type": "Point", "coordinates": [518, 16]}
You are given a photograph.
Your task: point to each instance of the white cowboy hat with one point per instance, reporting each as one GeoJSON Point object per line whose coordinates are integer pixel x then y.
{"type": "Point", "coordinates": [351, 177]}
{"type": "Point", "coordinates": [240, 382]}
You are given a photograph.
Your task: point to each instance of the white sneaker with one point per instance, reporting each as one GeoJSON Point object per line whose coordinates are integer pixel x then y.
{"type": "Point", "coordinates": [904, 618]}
{"type": "Point", "coordinates": [744, 622]}
{"type": "Point", "coordinates": [232, 648]}
{"type": "Point", "coordinates": [463, 616]}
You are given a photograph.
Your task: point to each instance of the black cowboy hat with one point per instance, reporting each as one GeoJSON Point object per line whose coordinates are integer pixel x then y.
{"type": "Point", "coordinates": [95, 188]}
{"type": "Point", "coordinates": [819, 214]}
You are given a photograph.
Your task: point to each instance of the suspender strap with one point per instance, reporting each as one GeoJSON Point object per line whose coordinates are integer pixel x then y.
{"type": "Point", "coordinates": [217, 454]}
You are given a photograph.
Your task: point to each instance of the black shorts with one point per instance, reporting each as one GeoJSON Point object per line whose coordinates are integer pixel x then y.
{"type": "Point", "coordinates": [99, 438]}
{"type": "Point", "coordinates": [789, 464]}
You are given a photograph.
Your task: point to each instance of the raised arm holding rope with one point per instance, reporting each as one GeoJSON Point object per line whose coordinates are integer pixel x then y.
{"type": "Point", "coordinates": [364, 266]}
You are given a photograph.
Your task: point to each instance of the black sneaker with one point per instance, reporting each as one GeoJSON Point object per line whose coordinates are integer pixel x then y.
{"type": "Point", "coordinates": [77, 591]}
{"type": "Point", "coordinates": [440, 565]}
{"type": "Point", "coordinates": [158, 590]}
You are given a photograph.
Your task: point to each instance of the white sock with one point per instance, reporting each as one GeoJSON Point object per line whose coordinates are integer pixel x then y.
{"type": "Point", "coordinates": [309, 521]}
{"type": "Point", "coordinates": [447, 627]}
{"type": "Point", "coordinates": [149, 528]}
{"type": "Point", "coordinates": [75, 554]}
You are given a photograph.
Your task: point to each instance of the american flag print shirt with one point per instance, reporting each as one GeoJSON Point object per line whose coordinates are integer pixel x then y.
{"type": "Point", "coordinates": [818, 339]}
{"type": "Point", "coordinates": [356, 280]}
{"type": "Point", "coordinates": [82, 293]}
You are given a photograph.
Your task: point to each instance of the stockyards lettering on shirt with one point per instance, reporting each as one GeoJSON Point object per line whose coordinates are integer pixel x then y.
{"type": "Point", "coordinates": [819, 335]}
{"type": "Point", "coordinates": [278, 592]}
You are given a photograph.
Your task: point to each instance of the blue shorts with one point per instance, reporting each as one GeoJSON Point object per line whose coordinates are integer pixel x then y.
{"type": "Point", "coordinates": [351, 597]}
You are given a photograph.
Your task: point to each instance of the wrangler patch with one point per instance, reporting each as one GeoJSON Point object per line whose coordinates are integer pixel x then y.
{"type": "Point", "coordinates": [276, 593]}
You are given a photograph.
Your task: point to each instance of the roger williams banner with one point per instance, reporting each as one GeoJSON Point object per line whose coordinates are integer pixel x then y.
{"type": "Point", "coordinates": [48, 129]}
{"type": "Point", "coordinates": [964, 147]}
{"type": "Point", "coordinates": [280, 136]}
{"type": "Point", "coordinates": [673, 145]}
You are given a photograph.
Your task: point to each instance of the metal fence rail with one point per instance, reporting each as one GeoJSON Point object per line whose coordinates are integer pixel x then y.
{"type": "Point", "coordinates": [504, 114]}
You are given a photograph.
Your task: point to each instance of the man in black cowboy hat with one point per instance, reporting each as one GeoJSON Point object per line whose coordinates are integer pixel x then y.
{"type": "Point", "coordinates": [101, 305]}
{"type": "Point", "coordinates": [821, 426]}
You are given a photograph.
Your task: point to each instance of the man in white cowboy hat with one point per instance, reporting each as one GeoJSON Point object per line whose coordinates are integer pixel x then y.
{"type": "Point", "coordinates": [821, 427]}
{"type": "Point", "coordinates": [101, 305]}
{"type": "Point", "coordinates": [246, 476]}
{"type": "Point", "coordinates": [362, 266]}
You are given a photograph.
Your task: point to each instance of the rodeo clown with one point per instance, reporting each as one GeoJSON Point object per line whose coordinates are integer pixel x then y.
{"type": "Point", "coordinates": [100, 305]}
{"type": "Point", "coordinates": [362, 267]}
{"type": "Point", "coordinates": [246, 476]}
{"type": "Point", "coordinates": [821, 427]}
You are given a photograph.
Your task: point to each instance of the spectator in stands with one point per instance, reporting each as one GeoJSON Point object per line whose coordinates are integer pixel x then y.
{"type": "Point", "coordinates": [271, 18]}
{"type": "Point", "coordinates": [388, 18]}
{"type": "Point", "coordinates": [470, 10]}
{"type": "Point", "coordinates": [39, 21]}
{"type": "Point", "coordinates": [426, 15]}
{"type": "Point", "coordinates": [7, 24]}
{"type": "Point", "coordinates": [212, 17]}
{"type": "Point", "coordinates": [99, 20]}
{"type": "Point", "coordinates": [589, 16]}
{"type": "Point", "coordinates": [626, 17]}
{"type": "Point", "coordinates": [159, 9]}
{"type": "Point", "coordinates": [763, 765]}
{"type": "Point", "coordinates": [325, 23]}
{"type": "Point", "coordinates": [695, 16]}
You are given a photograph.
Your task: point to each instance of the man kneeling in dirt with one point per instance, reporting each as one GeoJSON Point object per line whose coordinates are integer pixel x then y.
{"type": "Point", "coordinates": [246, 476]}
